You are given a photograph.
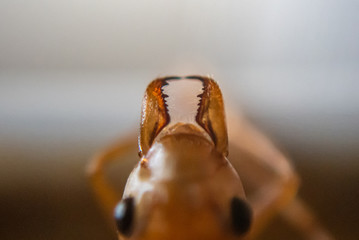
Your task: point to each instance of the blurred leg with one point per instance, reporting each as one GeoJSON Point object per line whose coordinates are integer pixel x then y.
{"type": "Point", "coordinates": [107, 196]}
{"type": "Point", "coordinates": [271, 180]}
{"type": "Point", "coordinates": [302, 218]}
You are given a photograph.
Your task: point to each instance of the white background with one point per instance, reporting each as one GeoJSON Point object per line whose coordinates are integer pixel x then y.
{"type": "Point", "coordinates": [75, 69]}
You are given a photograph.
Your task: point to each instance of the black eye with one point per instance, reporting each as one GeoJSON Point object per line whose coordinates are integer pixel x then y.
{"type": "Point", "coordinates": [241, 216]}
{"type": "Point", "coordinates": [124, 215]}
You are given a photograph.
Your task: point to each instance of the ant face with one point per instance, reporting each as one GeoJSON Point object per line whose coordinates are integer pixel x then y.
{"type": "Point", "coordinates": [183, 189]}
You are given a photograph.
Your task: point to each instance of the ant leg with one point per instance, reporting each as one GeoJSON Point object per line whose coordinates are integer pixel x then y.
{"type": "Point", "coordinates": [271, 181]}
{"type": "Point", "coordinates": [106, 195]}
{"type": "Point", "coordinates": [301, 218]}
{"type": "Point", "coordinates": [268, 177]}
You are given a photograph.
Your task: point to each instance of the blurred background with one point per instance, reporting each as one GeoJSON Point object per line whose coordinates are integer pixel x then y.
{"type": "Point", "coordinates": [72, 75]}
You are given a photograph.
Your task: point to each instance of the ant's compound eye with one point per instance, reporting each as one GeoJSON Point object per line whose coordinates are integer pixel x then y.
{"type": "Point", "coordinates": [124, 215]}
{"type": "Point", "coordinates": [241, 216]}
